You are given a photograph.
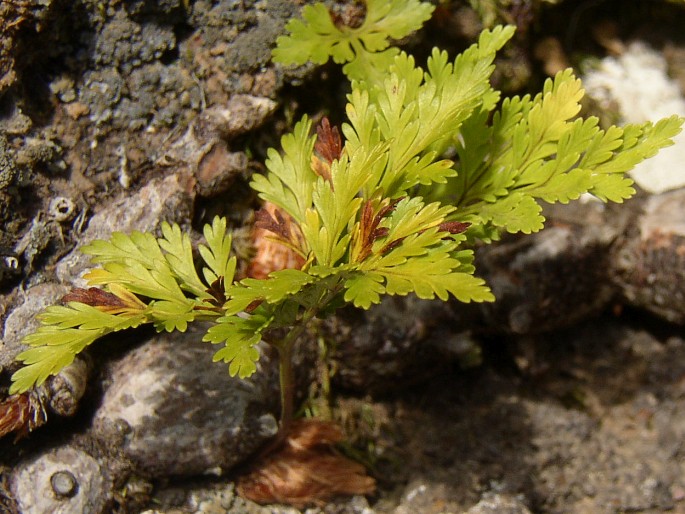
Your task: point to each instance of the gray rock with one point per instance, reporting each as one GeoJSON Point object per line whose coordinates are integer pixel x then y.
{"type": "Point", "coordinates": [649, 267]}
{"type": "Point", "coordinates": [495, 503]}
{"type": "Point", "coordinates": [242, 114]}
{"type": "Point", "coordinates": [172, 411]}
{"type": "Point", "coordinates": [125, 44]}
{"type": "Point", "coordinates": [161, 199]}
{"type": "Point", "coordinates": [553, 278]}
{"type": "Point", "coordinates": [22, 320]}
{"type": "Point", "coordinates": [61, 481]}
{"type": "Point", "coordinates": [101, 91]}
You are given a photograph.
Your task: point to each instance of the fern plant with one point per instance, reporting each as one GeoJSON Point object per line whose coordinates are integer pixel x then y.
{"type": "Point", "coordinates": [373, 210]}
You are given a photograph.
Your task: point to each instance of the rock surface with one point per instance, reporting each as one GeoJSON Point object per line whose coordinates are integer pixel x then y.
{"type": "Point", "coordinates": [649, 266]}
{"type": "Point", "coordinates": [62, 481]}
{"type": "Point", "coordinates": [172, 412]}
{"type": "Point", "coordinates": [22, 320]}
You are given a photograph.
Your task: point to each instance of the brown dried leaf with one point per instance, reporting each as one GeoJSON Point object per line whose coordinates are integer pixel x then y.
{"type": "Point", "coordinates": [218, 291]}
{"type": "Point", "coordinates": [368, 226]}
{"type": "Point", "coordinates": [306, 470]}
{"type": "Point", "coordinates": [95, 297]}
{"type": "Point", "coordinates": [22, 413]}
{"type": "Point", "coordinates": [274, 238]}
{"type": "Point", "coordinates": [328, 142]}
{"type": "Point", "coordinates": [454, 227]}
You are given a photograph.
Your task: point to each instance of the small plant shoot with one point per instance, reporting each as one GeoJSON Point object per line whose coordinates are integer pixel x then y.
{"type": "Point", "coordinates": [371, 208]}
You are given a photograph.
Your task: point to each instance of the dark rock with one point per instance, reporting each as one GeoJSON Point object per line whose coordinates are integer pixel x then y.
{"type": "Point", "coordinates": [649, 266]}
{"type": "Point", "coordinates": [395, 339]}
{"type": "Point", "coordinates": [172, 411]}
{"type": "Point", "coordinates": [8, 167]}
{"type": "Point", "coordinates": [552, 278]}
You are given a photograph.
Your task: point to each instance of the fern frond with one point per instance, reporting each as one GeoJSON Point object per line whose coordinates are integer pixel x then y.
{"type": "Point", "coordinates": [65, 332]}
{"type": "Point", "coordinates": [336, 207]}
{"type": "Point", "coordinates": [290, 180]}
{"type": "Point", "coordinates": [640, 142]}
{"type": "Point", "coordinates": [217, 253]}
{"type": "Point", "coordinates": [317, 37]}
{"type": "Point", "coordinates": [179, 255]}
{"type": "Point", "coordinates": [421, 118]}
{"type": "Point", "coordinates": [279, 286]}
{"type": "Point", "coordinates": [240, 335]}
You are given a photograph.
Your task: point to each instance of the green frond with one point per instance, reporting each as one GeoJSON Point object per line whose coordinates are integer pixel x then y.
{"type": "Point", "coordinates": [317, 37]}
{"type": "Point", "coordinates": [277, 287]}
{"type": "Point", "coordinates": [179, 255]}
{"type": "Point", "coordinates": [53, 349]}
{"type": "Point", "coordinates": [640, 142]}
{"type": "Point", "coordinates": [412, 216]}
{"type": "Point", "coordinates": [65, 332]}
{"type": "Point", "coordinates": [217, 252]}
{"type": "Point", "coordinates": [86, 317]}
{"type": "Point", "coordinates": [290, 180]}
{"type": "Point", "coordinates": [328, 223]}
{"type": "Point", "coordinates": [139, 247]}
{"type": "Point", "coordinates": [421, 113]}
{"type": "Point", "coordinates": [364, 289]}
{"type": "Point", "coordinates": [534, 150]}
{"type": "Point", "coordinates": [240, 335]}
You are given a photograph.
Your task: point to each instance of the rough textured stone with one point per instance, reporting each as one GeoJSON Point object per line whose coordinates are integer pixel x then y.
{"type": "Point", "coordinates": [174, 412]}
{"type": "Point", "coordinates": [22, 320]}
{"type": "Point", "coordinates": [396, 339]}
{"type": "Point", "coordinates": [555, 277]}
{"type": "Point", "coordinates": [62, 481]}
{"type": "Point", "coordinates": [203, 151]}
{"type": "Point", "coordinates": [493, 503]}
{"type": "Point", "coordinates": [162, 199]}
{"type": "Point", "coordinates": [649, 266]}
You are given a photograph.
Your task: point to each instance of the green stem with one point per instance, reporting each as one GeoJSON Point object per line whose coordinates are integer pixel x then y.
{"type": "Point", "coordinates": [285, 361]}
{"type": "Point", "coordinates": [287, 382]}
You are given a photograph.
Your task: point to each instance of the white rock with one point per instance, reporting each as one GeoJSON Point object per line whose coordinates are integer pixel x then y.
{"type": "Point", "coordinates": [62, 481]}
{"type": "Point", "coordinates": [638, 83]}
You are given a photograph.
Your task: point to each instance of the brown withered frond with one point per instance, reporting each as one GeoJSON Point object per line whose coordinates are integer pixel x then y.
{"type": "Point", "coordinates": [328, 142]}
{"type": "Point", "coordinates": [218, 291]}
{"type": "Point", "coordinates": [454, 227]}
{"type": "Point", "coordinates": [306, 470]}
{"type": "Point", "coordinates": [275, 237]}
{"type": "Point", "coordinates": [22, 413]}
{"type": "Point", "coordinates": [95, 297]}
{"type": "Point", "coordinates": [328, 148]}
{"type": "Point", "coordinates": [369, 230]}
{"type": "Point", "coordinates": [272, 220]}
{"type": "Point", "coordinates": [115, 301]}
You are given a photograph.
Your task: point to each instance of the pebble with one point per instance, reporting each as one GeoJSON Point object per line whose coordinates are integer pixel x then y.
{"type": "Point", "coordinates": [65, 480]}
{"type": "Point", "coordinates": [172, 411]}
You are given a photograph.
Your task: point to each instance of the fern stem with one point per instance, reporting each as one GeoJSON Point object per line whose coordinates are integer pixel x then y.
{"type": "Point", "coordinates": [286, 372]}
{"type": "Point", "coordinates": [286, 377]}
